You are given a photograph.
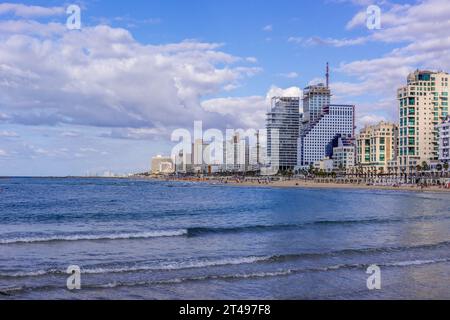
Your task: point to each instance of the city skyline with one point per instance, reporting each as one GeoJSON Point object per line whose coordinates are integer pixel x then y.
{"type": "Point", "coordinates": [84, 107]}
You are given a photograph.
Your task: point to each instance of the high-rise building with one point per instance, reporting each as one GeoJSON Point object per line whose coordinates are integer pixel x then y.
{"type": "Point", "coordinates": [282, 132]}
{"type": "Point", "coordinates": [200, 157]}
{"type": "Point", "coordinates": [377, 145]}
{"type": "Point", "coordinates": [316, 141]}
{"type": "Point", "coordinates": [315, 97]}
{"type": "Point", "coordinates": [423, 105]}
{"type": "Point", "coordinates": [236, 154]}
{"type": "Point", "coordinates": [444, 141]}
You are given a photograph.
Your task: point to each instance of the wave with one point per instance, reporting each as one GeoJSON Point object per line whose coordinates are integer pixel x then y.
{"type": "Point", "coordinates": [415, 263]}
{"type": "Point", "coordinates": [113, 236]}
{"type": "Point", "coordinates": [165, 267]}
{"type": "Point", "coordinates": [192, 232]}
{"type": "Point", "coordinates": [200, 231]}
{"type": "Point", "coordinates": [196, 264]}
{"type": "Point", "coordinates": [225, 277]}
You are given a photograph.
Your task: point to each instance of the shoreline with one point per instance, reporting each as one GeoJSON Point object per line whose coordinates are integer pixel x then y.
{"type": "Point", "coordinates": [302, 184]}
{"type": "Point", "coordinates": [289, 184]}
{"type": "Point", "coordinates": [292, 184]}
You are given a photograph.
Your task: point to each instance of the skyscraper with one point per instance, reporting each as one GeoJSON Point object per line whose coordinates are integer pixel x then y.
{"type": "Point", "coordinates": [316, 141]}
{"type": "Point", "coordinates": [283, 120]}
{"type": "Point", "coordinates": [315, 97]}
{"type": "Point", "coordinates": [423, 105]}
{"type": "Point", "coordinates": [236, 154]}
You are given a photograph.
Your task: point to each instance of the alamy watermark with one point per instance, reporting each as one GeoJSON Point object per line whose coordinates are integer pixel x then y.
{"type": "Point", "coordinates": [374, 280]}
{"type": "Point", "coordinates": [373, 21]}
{"type": "Point", "coordinates": [74, 280]}
{"type": "Point", "coordinates": [73, 22]}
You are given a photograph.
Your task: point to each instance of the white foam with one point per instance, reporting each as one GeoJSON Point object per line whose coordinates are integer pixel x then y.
{"type": "Point", "coordinates": [416, 262]}
{"type": "Point", "coordinates": [180, 265]}
{"type": "Point", "coordinates": [115, 236]}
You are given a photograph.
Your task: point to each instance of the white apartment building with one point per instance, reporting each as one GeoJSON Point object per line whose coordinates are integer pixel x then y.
{"type": "Point", "coordinates": [423, 105]}
{"type": "Point", "coordinates": [444, 141]}
{"type": "Point", "coordinates": [377, 146]}
{"type": "Point", "coordinates": [316, 142]}
{"type": "Point", "coordinates": [344, 155]}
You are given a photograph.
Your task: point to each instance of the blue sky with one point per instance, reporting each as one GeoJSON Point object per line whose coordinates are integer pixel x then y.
{"type": "Point", "coordinates": [107, 97]}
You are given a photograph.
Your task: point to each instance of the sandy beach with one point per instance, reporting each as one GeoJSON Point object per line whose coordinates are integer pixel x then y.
{"type": "Point", "coordinates": [300, 183]}
{"type": "Point", "coordinates": [310, 184]}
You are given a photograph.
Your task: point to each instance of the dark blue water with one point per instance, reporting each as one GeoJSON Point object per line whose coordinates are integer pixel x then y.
{"type": "Point", "coordinates": [166, 240]}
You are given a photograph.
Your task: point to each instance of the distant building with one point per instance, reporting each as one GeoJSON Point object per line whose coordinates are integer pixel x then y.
{"type": "Point", "coordinates": [236, 154]}
{"type": "Point", "coordinates": [444, 141]}
{"type": "Point", "coordinates": [183, 162]}
{"type": "Point", "coordinates": [315, 142]}
{"type": "Point", "coordinates": [325, 165]}
{"type": "Point", "coordinates": [283, 121]}
{"type": "Point", "coordinates": [423, 105]}
{"type": "Point", "coordinates": [377, 146]}
{"type": "Point", "coordinates": [344, 154]}
{"type": "Point", "coordinates": [162, 165]}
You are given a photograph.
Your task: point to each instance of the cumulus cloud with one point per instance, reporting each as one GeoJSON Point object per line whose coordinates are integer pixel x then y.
{"type": "Point", "coordinates": [268, 28]}
{"type": "Point", "coordinates": [25, 11]}
{"type": "Point", "coordinates": [101, 76]}
{"type": "Point", "coordinates": [251, 111]}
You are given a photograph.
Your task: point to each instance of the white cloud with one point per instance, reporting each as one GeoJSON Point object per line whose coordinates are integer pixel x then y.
{"type": "Point", "coordinates": [70, 134]}
{"type": "Point", "coordinates": [250, 111]}
{"type": "Point", "coordinates": [137, 133]}
{"type": "Point", "coordinates": [8, 134]}
{"type": "Point", "coordinates": [268, 28]}
{"type": "Point", "coordinates": [289, 75]}
{"type": "Point", "coordinates": [316, 81]}
{"type": "Point", "coordinates": [251, 59]}
{"type": "Point", "coordinates": [24, 11]}
{"type": "Point", "coordinates": [3, 153]}
{"type": "Point", "coordinates": [298, 40]}
{"type": "Point", "coordinates": [30, 27]}
{"type": "Point", "coordinates": [314, 41]}
{"type": "Point", "coordinates": [101, 76]}
{"type": "Point", "coordinates": [289, 92]}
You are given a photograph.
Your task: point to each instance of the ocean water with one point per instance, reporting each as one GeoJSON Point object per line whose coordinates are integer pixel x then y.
{"type": "Point", "coordinates": [136, 239]}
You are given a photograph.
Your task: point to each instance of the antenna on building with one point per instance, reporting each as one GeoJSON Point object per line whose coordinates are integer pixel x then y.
{"type": "Point", "coordinates": [327, 75]}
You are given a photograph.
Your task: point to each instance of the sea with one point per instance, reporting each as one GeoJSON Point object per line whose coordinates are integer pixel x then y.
{"type": "Point", "coordinates": [142, 239]}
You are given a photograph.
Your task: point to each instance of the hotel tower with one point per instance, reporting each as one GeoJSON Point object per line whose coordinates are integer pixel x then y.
{"type": "Point", "coordinates": [423, 106]}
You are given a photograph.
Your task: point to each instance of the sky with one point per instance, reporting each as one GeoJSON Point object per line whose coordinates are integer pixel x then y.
{"type": "Point", "coordinates": [107, 96]}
